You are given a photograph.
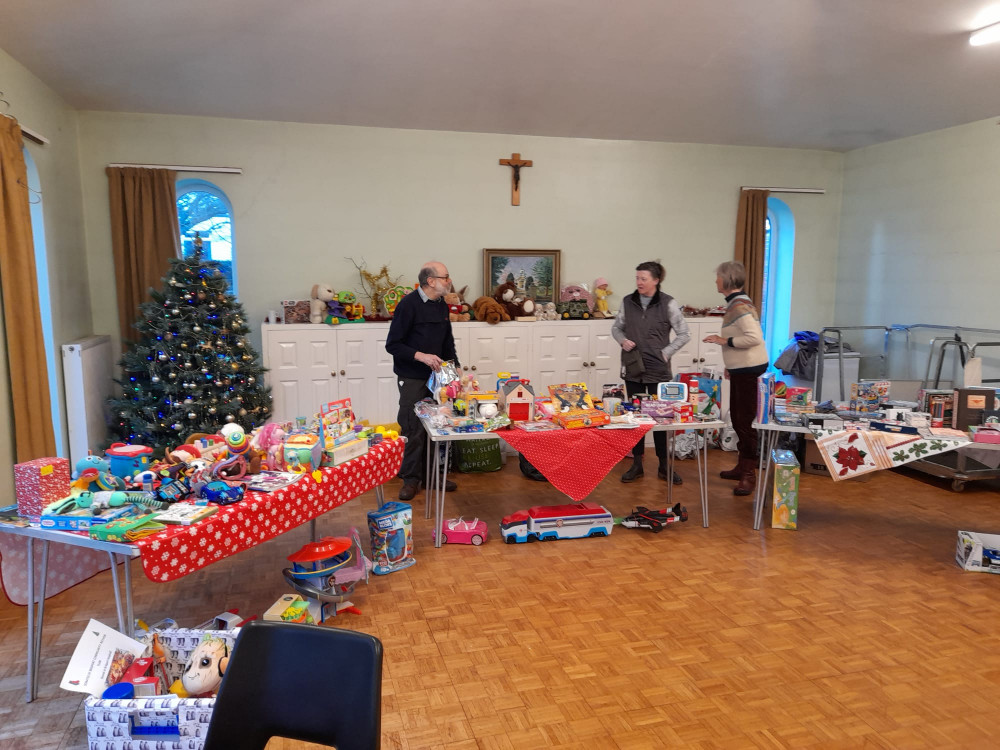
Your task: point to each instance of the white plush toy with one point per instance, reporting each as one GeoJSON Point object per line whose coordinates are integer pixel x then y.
{"type": "Point", "coordinates": [321, 294]}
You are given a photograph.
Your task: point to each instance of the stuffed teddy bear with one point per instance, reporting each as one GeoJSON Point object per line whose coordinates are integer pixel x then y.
{"type": "Point", "coordinates": [458, 311]}
{"type": "Point", "coordinates": [505, 294]}
{"type": "Point", "coordinates": [321, 295]}
{"type": "Point", "coordinates": [489, 310]}
{"type": "Point", "coordinates": [525, 306]}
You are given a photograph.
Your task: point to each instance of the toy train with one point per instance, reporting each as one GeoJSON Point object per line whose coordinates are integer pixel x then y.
{"type": "Point", "coordinates": [547, 522]}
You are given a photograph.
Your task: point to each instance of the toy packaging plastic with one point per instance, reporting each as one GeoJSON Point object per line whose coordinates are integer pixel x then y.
{"type": "Point", "coordinates": [391, 529]}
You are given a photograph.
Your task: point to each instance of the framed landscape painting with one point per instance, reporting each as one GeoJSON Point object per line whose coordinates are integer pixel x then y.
{"type": "Point", "coordinates": [535, 273]}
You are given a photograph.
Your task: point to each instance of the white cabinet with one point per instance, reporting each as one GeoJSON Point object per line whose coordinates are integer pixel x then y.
{"type": "Point", "coordinates": [696, 356]}
{"type": "Point", "coordinates": [309, 365]}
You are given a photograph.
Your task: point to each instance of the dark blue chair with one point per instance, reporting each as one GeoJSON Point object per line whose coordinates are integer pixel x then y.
{"type": "Point", "coordinates": [304, 682]}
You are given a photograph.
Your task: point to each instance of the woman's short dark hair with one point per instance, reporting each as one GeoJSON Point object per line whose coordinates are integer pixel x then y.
{"type": "Point", "coordinates": [655, 269]}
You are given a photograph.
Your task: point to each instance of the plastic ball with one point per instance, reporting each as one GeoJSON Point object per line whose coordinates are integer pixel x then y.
{"type": "Point", "coordinates": [230, 418]}
{"type": "Point", "coordinates": [196, 329]}
{"type": "Point", "coordinates": [191, 415]}
{"type": "Point", "coordinates": [175, 311]}
{"type": "Point", "coordinates": [172, 375]}
{"type": "Point", "coordinates": [155, 378]}
{"type": "Point", "coordinates": [251, 379]}
{"type": "Point", "coordinates": [240, 344]}
{"type": "Point", "coordinates": [162, 357]}
{"type": "Point", "coordinates": [212, 410]}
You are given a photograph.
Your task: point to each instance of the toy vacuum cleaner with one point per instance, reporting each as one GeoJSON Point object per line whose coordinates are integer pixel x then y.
{"type": "Point", "coordinates": [391, 528]}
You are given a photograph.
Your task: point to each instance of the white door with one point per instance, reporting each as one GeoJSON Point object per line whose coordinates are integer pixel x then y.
{"type": "Point", "coordinates": [710, 355]}
{"type": "Point", "coordinates": [686, 359]}
{"type": "Point", "coordinates": [382, 390]}
{"type": "Point", "coordinates": [561, 353]}
{"type": "Point", "coordinates": [301, 363]}
{"type": "Point", "coordinates": [605, 363]}
{"type": "Point", "coordinates": [504, 347]}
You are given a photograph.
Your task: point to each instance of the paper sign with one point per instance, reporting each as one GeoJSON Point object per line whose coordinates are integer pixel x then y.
{"type": "Point", "coordinates": [101, 658]}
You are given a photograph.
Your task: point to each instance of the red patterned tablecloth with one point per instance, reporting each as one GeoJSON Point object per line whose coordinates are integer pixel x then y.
{"type": "Point", "coordinates": [574, 461]}
{"type": "Point", "coordinates": [180, 550]}
{"type": "Point", "coordinates": [264, 515]}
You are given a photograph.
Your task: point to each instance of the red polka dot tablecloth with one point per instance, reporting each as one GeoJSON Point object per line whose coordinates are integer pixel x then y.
{"type": "Point", "coordinates": [260, 516]}
{"type": "Point", "coordinates": [574, 461]}
{"type": "Point", "coordinates": [180, 550]}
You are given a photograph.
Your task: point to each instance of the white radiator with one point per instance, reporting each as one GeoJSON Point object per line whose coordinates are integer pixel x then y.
{"type": "Point", "coordinates": [87, 378]}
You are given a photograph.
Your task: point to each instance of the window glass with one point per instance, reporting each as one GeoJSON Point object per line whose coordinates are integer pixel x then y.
{"type": "Point", "coordinates": [203, 210]}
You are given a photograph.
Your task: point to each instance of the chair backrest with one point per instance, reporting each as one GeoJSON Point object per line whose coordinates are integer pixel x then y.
{"type": "Point", "coordinates": [305, 682]}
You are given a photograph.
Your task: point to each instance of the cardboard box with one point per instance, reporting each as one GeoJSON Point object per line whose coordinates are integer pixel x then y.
{"type": "Point", "coordinates": [979, 553]}
{"type": "Point", "coordinates": [82, 519]}
{"type": "Point", "coordinates": [295, 310]}
{"type": "Point", "coordinates": [812, 460]}
{"type": "Point", "coordinates": [38, 483]}
{"type": "Point", "coordinates": [785, 500]}
{"type": "Point", "coordinates": [969, 405]}
{"type": "Point", "coordinates": [345, 452]}
{"type": "Point", "coordinates": [576, 418]}
{"type": "Point", "coordinates": [164, 721]}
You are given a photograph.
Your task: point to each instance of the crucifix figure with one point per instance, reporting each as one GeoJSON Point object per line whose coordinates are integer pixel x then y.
{"type": "Point", "coordinates": [515, 162]}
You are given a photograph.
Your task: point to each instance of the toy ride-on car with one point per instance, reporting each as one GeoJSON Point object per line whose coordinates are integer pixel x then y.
{"type": "Point", "coordinates": [460, 531]}
{"type": "Point", "coordinates": [657, 520]}
{"type": "Point", "coordinates": [574, 308]}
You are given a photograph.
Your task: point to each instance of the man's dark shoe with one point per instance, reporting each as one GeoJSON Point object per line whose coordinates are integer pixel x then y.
{"type": "Point", "coordinates": [677, 478]}
{"type": "Point", "coordinates": [408, 490]}
{"type": "Point", "coordinates": [634, 472]}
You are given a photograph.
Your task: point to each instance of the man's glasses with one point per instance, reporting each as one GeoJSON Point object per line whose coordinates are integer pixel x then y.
{"type": "Point", "coordinates": [446, 278]}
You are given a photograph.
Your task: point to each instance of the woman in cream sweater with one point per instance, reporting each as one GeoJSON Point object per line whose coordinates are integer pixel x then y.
{"type": "Point", "coordinates": [745, 357]}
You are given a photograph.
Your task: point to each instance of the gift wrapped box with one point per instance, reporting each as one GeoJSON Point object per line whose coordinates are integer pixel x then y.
{"type": "Point", "coordinates": [40, 482]}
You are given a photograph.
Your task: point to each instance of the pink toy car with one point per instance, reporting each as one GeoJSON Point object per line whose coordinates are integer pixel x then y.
{"type": "Point", "coordinates": [460, 531]}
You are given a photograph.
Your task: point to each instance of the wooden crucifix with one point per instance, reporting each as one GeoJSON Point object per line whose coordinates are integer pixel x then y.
{"type": "Point", "coordinates": [515, 162]}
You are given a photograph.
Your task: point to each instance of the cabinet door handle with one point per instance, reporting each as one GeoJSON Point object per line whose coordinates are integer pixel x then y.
{"type": "Point", "coordinates": [342, 372]}
{"type": "Point", "coordinates": [585, 364]}
{"type": "Point", "coordinates": [465, 367]}
{"type": "Point", "coordinates": [333, 373]}
{"type": "Point", "coordinates": [591, 364]}
{"type": "Point", "coordinates": [473, 367]}
{"type": "Point", "coordinates": [695, 359]}
{"type": "Point", "coordinates": [702, 359]}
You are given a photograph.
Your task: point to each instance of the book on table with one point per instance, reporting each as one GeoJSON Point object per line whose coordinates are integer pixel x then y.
{"type": "Point", "coordinates": [185, 514]}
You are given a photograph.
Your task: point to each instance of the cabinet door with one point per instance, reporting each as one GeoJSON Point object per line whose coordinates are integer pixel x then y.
{"type": "Point", "coordinates": [605, 363]}
{"type": "Point", "coordinates": [504, 347]}
{"type": "Point", "coordinates": [302, 370]}
{"type": "Point", "coordinates": [364, 372]}
{"type": "Point", "coordinates": [560, 351]}
{"type": "Point", "coordinates": [710, 355]}
{"type": "Point", "coordinates": [382, 406]}
{"type": "Point", "coordinates": [687, 358]}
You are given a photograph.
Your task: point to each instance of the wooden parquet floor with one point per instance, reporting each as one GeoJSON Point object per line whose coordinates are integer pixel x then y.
{"type": "Point", "coordinates": [857, 630]}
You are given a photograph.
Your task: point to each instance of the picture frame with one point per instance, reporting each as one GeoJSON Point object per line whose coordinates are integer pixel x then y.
{"type": "Point", "coordinates": [535, 272]}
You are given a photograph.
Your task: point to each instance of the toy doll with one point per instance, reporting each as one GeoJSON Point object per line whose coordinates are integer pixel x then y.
{"type": "Point", "coordinates": [602, 291]}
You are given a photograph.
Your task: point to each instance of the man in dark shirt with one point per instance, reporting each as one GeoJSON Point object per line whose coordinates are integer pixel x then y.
{"type": "Point", "coordinates": [419, 340]}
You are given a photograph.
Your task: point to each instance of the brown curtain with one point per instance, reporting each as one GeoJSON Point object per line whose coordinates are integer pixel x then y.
{"type": "Point", "coordinates": [29, 379]}
{"type": "Point", "coordinates": [144, 235]}
{"type": "Point", "coordinates": [750, 220]}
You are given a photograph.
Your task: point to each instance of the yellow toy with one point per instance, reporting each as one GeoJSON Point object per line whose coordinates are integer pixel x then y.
{"type": "Point", "coordinates": [601, 291]}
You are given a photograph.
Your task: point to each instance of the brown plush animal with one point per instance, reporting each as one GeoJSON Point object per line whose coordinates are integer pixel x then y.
{"type": "Point", "coordinates": [458, 311]}
{"type": "Point", "coordinates": [505, 294]}
{"type": "Point", "coordinates": [489, 310]}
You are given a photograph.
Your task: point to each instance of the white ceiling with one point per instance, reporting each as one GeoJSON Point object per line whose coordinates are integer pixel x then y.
{"type": "Point", "coordinates": [827, 74]}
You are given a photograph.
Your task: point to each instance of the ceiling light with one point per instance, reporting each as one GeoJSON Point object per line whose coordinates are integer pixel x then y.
{"type": "Point", "coordinates": [987, 35]}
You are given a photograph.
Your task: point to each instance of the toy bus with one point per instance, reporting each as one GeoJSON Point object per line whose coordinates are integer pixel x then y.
{"type": "Point", "coordinates": [545, 522]}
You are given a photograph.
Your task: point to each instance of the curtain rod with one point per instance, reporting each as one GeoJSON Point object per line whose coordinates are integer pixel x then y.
{"type": "Point", "coordinates": [176, 168]}
{"type": "Point", "coordinates": [36, 137]}
{"type": "Point", "coordinates": [812, 191]}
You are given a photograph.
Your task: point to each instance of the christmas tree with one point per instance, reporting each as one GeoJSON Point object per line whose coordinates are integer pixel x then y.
{"type": "Point", "coordinates": [192, 369]}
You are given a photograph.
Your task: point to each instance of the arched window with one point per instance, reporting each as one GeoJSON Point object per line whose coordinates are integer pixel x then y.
{"type": "Point", "coordinates": [204, 210]}
{"type": "Point", "coordinates": [44, 306]}
{"type": "Point", "coordinates": [779, 254]}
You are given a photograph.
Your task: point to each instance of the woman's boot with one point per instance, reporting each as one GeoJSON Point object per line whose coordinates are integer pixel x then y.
{"type": "Point", "coordinates": [748, 479]}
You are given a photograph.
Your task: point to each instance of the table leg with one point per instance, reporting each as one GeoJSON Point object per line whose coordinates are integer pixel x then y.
{"type": "Point", "coordinates": [380, 496]}
{"type": "Point", "coordinates": [427, 478]}
{"type": "Point", "coordinates": [129, 612]}
{"type": "Point", "coordinates": [439, 500]}
{"type": "Point", "coordinates": [30, 662]}
{"type": "Point", "coordinates": [312, 530]}
{"type": "Point", "coordinates": [770, 441]}
{"type": "Point", "coordinates": [670, 468]}
{"type": "Point", "coordinates": [118, 593]}
{"type": "Point", "coordinates": [701, 452]}
{"type": "Point", "coordinates": [40, 618]}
